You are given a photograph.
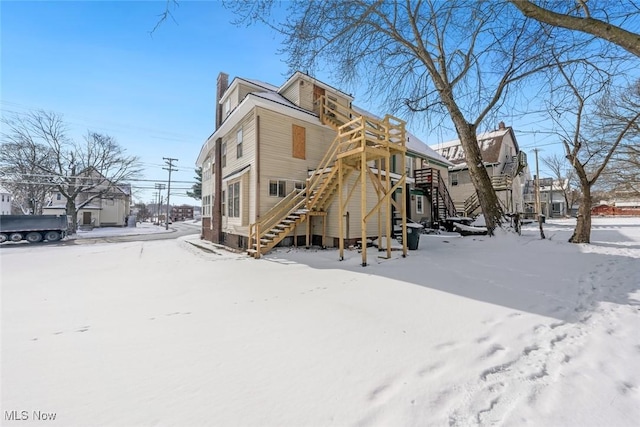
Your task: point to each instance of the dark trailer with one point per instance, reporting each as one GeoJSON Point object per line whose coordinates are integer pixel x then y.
{"type": "Point", "coordinates": [33, 228]}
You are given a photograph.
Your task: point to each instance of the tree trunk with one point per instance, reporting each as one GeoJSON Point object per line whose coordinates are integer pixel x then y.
{"type": "Point", "coordinates": [487, 197]}
{"type": "Point", "coordinates": [71, 210]}
{"type": "Point", "coordinates": [582, 233]}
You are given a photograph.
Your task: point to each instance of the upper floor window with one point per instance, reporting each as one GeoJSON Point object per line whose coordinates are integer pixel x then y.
{"type": "Point", "coordinates": [227, 107]}
{"type": "Point", "coordinates": [58, 196]}
{"type": "Point", "coordinates": [224, 154]}
{"type": "Point", "coordinates": [408, 166]}
{"type": "Point", "coordinates": [454, 179]}
{"type": "Point", "coordinates": [239, 143]}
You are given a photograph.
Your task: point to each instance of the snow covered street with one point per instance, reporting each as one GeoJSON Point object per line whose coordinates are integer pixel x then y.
{"type": "Point", "coordinates": [465, 331]}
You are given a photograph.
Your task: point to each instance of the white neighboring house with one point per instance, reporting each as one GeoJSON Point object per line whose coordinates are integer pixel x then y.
{"type": "Point", "coordinates": [105, 210]}
{"type": "Point", "coordinates": [5, 201]}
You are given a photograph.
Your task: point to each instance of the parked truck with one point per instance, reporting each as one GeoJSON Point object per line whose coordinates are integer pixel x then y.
{"type": "Point", "coordinates": [33, 228]}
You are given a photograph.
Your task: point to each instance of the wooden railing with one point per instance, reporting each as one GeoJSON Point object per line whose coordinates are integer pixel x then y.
{"type": "Point", "coordinates": [292, 202]}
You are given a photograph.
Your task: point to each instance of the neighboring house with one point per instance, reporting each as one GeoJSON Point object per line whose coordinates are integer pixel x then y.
{"type": "Point", "coordinates": [181, 213]}
{"type": "Point", "coordinates": [279, 156]}
{"type": "Point", "coordinates": [505, 164]}
{"type": "Point", "coordinates": [108, 209]}
{"type": "Point", "coordinates": [552, 201]}
{"type": "Point", "coordinates": [5, 201]}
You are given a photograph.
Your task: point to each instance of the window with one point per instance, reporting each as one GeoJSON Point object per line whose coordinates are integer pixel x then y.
{"type": "Point", "coordinates": [58, 196]}
{"type": "Point", "coordinates": [227, 107]}
{"type": "Point", "coordinates": [224, 203]}
{"type": "Point", "coordinates": [299, 185]}
{"type": "Point", "coordinates": [3, 197]}
{"type": "Point", "coordinates": [277, 188]}
{"type": "Point", "coordinates": [299, 142]}
{"type": "Point", "coordinates": [239, 143]}
{"type": "Point", "coordinates": [419, 204]}
{"type": "Point", "coordinates": [234, 200]}
{"type": "Point", "coordinates": [454, 179]}
{"type": "Point", "coordinates": [224, 154]}
{"type": "Point", "coordinates": [408, 165]}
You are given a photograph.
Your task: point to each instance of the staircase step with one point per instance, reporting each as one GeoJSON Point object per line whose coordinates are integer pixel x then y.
{"type": "Point", "coordinates": [266, 241]}
{"type": "Point", "coordinates": [252, 251]}
{"type": "Point", "coordinates": [287, 221]}
{"type": "Point", "coordinates": [270, 236]}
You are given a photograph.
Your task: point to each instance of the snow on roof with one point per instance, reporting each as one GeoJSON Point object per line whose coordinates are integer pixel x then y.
{"type": "Point", "coordinates": [4, 190]}
{"type": "Point", "coordinates": [489, 142]}
{"type": "Point", "coordinates": [265, 85]}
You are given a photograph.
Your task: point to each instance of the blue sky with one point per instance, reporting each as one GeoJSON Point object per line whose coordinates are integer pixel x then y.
{"type": "Point", "coordinates": [98, 65]}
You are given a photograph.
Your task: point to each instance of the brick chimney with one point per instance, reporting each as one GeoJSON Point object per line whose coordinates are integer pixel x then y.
{"type": "Point", "coordinates": [501, 125]}
{"type": "Point", "coordinates": [223, 84]}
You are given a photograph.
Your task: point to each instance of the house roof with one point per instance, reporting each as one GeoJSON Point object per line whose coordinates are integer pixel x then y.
{"type": "Point", "coordinates": [271, 98]}
{"type": "Point", "coordinates": [299, 74]}
{"type": "Point", "coordinates": [4, 190]}
{"type": "Point", "coordinates": [490, 144]}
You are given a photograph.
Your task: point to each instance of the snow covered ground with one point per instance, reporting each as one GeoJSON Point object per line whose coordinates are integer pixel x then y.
{"type": "Point", "coordinates": [464, 331]}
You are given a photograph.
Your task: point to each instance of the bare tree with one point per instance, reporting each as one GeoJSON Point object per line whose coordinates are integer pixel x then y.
{"type": "Point", "coordinates": [583, 95]}
{"type": "Point", "coordinates": [81, 172]}
{"type": "Point", "coordinates": [565, 175]}
{"type": "Point", "coordinates": [624, 171]}
{"type": "Point", "coordinates": [21, 174]}
{"type": "Point", "coordinates": [607, 22]}
{"type": "Point", "coordinates": [456, 59]}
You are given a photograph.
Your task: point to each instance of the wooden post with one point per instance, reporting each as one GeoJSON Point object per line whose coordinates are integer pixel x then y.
{"type": "Point", "coordinates": [378, 166]}
{"type": "Point", "coordinates": [340, 213]}
{"type": "Point", "coordinates": [363, 199]}
{"type": "Point", "coordinates": [308, 230]}
{"type": "Point", "coordinates": [388, 204]}
{"type": "Point", "coordinates": [324, 231]}
{"type": "Point", "coordinates": [258, 248]}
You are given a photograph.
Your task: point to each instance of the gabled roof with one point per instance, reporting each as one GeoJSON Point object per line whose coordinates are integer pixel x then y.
{"type": "Point", "coordinates": [300, 75]}
{"type": "Point", "coordinates": [490, 144]}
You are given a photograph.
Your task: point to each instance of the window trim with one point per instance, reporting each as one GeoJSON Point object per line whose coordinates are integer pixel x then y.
{"type": "Point", "coordinates": [419, 204]}
{"type": "Point", "coordinates": [281, 188]}
{"type": "Point", "coordinates": [224, 154]}
{"type": "Point", "coordinates": [233, 204]}
{"type": "Point", "coordinates": [239, 140]}
{"type": "Point", "coordinates": [454, 179]}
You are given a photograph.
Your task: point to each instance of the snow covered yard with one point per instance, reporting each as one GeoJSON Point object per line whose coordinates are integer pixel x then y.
{"type": "Point", "coordinates": [465, 331]}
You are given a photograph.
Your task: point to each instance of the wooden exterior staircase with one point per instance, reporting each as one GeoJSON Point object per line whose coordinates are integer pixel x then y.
{"type": "Point", "coordinates": [360, 139]}
{"type": "Point", "coordinates": [430, 181]}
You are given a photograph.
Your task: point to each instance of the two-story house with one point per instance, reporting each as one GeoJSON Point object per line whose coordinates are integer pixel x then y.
{"type": "Point", "coordinates": [103, 204]}
{"type": "Point", "coordinates": [504, 162]}
{"type": "Point", "coordinates": [304, 146]}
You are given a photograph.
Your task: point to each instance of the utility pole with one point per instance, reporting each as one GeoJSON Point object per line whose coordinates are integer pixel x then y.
{"type": "Point", "coordinates": [155, 200]}
{"type": "Point", "coordinates": [159, 187]}
{"type": "Point", "coordinates": [538, 207]}
{"type": "Point", "coordinates": [169, 161]}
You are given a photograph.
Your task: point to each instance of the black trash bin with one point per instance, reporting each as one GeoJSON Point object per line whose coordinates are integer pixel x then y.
{"type": "Point", "coordinates": [413, 236]}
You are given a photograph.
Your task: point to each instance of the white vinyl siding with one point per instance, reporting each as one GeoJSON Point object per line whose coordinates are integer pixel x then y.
{"type": "Point", "coordinates": [276, 160]}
